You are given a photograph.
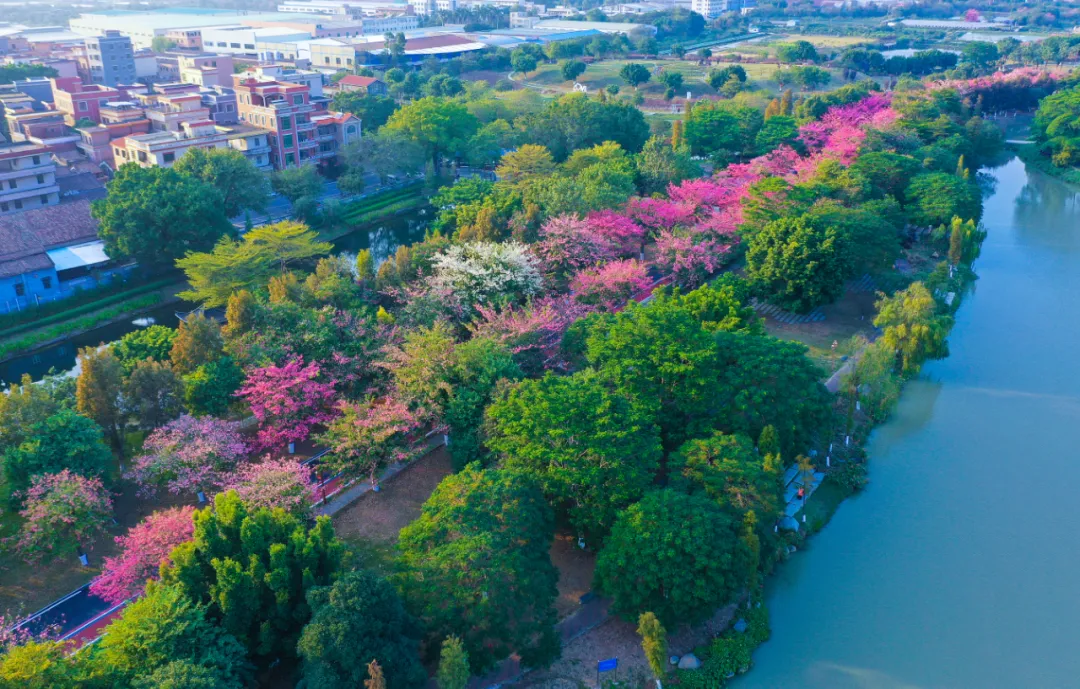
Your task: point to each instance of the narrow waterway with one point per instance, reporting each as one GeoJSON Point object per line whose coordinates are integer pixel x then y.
{"type": "Point", "coordinates": [958, 566]}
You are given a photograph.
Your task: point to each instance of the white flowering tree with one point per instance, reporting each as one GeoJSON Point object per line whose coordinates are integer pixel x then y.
{"type": "Point", "coordinates": [488, 274]}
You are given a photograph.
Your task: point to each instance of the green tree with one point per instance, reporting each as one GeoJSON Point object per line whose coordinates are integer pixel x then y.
{"type": "Point", "coordinates": [386, 153]}
{"type": "Point", "coordinates": [592, 451]}
{"type": "Point", "coordinates": [935, 198]}
{"type": "Point", "coordinates": [797, 51]}
{"type": "Point", "coordinates": [719, 77]}
{"type": "Point", "coordinates": [479, 366]}
{"type": "Point", "coordinates": [453, 672]}
{"type": "Point", "coordinates": [154, 343]}
{"type": "Point", "coordinates": [635, 74]}
{"type": "Point", "coordinates": [164, 626]}
{"type": "Point", "coordinates": [97, 390]}
{"type": "Point", "coordinates": [659, 165]}
{"type": "Point", "coordinates": [797, 265]}
{"type": "Point", "coordinates": [912, 327]}
{"type": "Point", "coordinates": [777, 131]}
{"type": "Point", "coordinates": [180, 674]}
{"type": "Point", "coordinates": [475, 564]}
{"type": "Point", "coordinates": [153, 394]}
{"type": "Point", "coordinates": [676, 555]}
{"type": "Point", "coordinates": [211, 388]}
{"type": "Point", "coordinates": [576, 121]}
{"type": "Point", "coordinates": [440, 126]}
{"type": "Point", "coordinates": [571, 69]}
{"type": "Point", "coordinates": [372, 110]}
{"type": "Point", "coordinates": [160, 44]}
{"type": "Point", "coordinates": [22, 406]}
{"type": "Point", "coordinates": [253, 570]}
{"type": "Point", "coordinates": [295, 183]}
{"type": "Point", "coordinates": [248, 264]}
{"type": "Point", "coordinates": [528, 160]}
{"type": "Point", "coordinates": [654, 643]}
{"type": "Point", "coordinates": [155, 215]}
{"type": "Point", "coordinates": [523, 62]}
{"type": "Point", "coordinates": [722, 305]}
{"type": "Point", "coordinates": [357, 619]}
{"type": "Point", "coordinates": [243, 186]}
{"type": "Point", "coordinates": [660, 356]}
{"type": "Point", "coordinates": [41, 665]}
{"type": "Point", "coordinates": [722, 127]}
{"type": "Point", "coordinates": [729, 470]}
{"type": "Point", "coordinates": [198, 341]}
{"type": "Point", "coordinates": [65, 440]}
{"type": "Point", "coordinates": [888, 173]}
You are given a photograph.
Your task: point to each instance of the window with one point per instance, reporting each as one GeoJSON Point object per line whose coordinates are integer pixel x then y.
{"type": "Point", "coordinates": [338, 60]}
{"type": "Point", "coordinates": [37, 160]}
{"type": "Point", "coordinates": [327, 60]}
{"type": "Point", "coordinates": [46, 282]}
{"type": "Point", "coordinates": [348, 60]}
{"type": "Point", "coordinates": [350, 129]}
{"type": "Point", "coordinates": [298, 100]}
{"type": "Point", "coordinates": [289, 159]}
{"type": "Point", "coordinates": [249, 46]}
{"type": "Point", "coordinates": [83, 106]}
{"type": "Point", "coordinates": [286, 122]}
{"type": "Point", "coordinates": [234, 45]}
{"type": "Point", "coordinates": [214, 63]}
{"type": "Point", "coordinates": [142, 156]}
{"type": "Point", "coordinates": [169, 157]}
{"type": "Point", "coordinates": [3, 208]}
{"type": "Point", "coordinates": [44, 199]}
{"type": "Point", "coordinates": [18, 204]}
{"type": "Point", "coordinates": [41, 179]}
{"type": "Point", "coordinates": [14, 184]}
{"type": "Point", "coordinates": [221, 45]}
{"type": "Point", "coordinates": [20, 289]}
{"type": "Point", "coordinates": [287, 141]}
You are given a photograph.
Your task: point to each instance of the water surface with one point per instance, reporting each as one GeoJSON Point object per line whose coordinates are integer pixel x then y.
{"type": "Point", "coordinates": [959, 566]}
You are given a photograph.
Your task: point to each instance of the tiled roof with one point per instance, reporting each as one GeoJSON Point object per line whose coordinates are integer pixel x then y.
{"type": "Point", "coordinates": [24, 237]}
{"type": "Point", "coordinates": [353, 80]}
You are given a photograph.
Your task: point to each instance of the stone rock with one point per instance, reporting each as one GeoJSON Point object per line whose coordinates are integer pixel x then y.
{"type": "Point", "coordinates": [689, 662]}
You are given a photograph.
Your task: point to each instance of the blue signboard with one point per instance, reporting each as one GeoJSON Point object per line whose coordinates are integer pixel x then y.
{"type": "Point", "coordinates": [607, 665]}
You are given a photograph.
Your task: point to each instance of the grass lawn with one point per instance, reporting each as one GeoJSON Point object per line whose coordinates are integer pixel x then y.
{"type": "Point", "coordinates": [851, 315]}
{"type": "Point", "coordinates": [820, 40]}
{"type": "Point", "coordinates": [600, 75]}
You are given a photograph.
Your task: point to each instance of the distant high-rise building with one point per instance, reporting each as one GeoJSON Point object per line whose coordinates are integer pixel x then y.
{"type": "Point", "coordinates": [711, 9]}
{"type": "Point", "coordinates": [110, 59]}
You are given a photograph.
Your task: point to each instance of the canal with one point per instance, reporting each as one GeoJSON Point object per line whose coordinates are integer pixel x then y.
{"type": "Point", "coordinates": [957, 566]}
{"type": "Point", "coordinates": [382, 239]}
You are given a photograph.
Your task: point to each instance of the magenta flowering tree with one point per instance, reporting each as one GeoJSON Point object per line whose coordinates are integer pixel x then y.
{"type": "Point", "coordinates": [369, 437]}
{"type": "Point", "coordinates": [533, 332]}
{"type": "Point", "coordinates": [288, 401]}
{"type": "Point", "coordinates": [64, 512]}
{"type": "Point", "coordinates": [567, 244]}
{"type": "Point", "coordinates": [273, 483]}
{"type": "Point", "coordinates": [660, 214]}
{"type": "Point", "coordinates": [188, 455]}
{"type": "Point", "coordinates": [142, 550]}
{"type": "Point", "coordinates": [610, 285]}
{"type": "Point", "coordinates": [691, 257]}
{"type": "Point", "coordinates": [625, 236]}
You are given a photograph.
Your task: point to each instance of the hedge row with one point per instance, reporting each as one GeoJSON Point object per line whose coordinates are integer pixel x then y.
{"type": "Point", "coordinates": [110, 293]}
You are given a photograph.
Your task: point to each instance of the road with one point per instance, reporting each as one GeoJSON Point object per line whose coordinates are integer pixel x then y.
{"type": "Point", "coordinates": [280, 208]}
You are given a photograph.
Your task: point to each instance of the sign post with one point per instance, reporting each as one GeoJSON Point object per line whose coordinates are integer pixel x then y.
{"type": "Point", "coordinates": [609, 665]}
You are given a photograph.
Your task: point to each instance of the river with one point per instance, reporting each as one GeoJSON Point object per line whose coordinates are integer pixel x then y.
{"type": "Point", "coordinates": [382, 239]}
{"type": "Point", "coordinates": [957, 566]}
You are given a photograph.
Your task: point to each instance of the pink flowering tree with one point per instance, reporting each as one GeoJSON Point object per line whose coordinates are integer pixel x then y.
{"type": "Point", "coordinates": [567, 245]}
{"type": "Point", "coordinates": [271, 483]}
{"type": "Point", "coordinates": [660, 214]}
{"type": "Point", "coordinates": [188, 455]}
{"type": "Point", "coordinates": [367, 438]}
{"type": "Point", "coordinates": [618, 231]}
{"type": "Point", "coordinates": [142, 550]}
{"type": "Point", "coordinates": [972, 15]}
{"type": "Point", "coordinates": [64, 513]}
{"type": "Point", "coordinates": [533, 332]}
{"type": "Point", "coordinates": [288, 401]}
{"type": "Point", "coordinates": [611, 285]}
{"type": "Point", "coordinates": [691, 257]}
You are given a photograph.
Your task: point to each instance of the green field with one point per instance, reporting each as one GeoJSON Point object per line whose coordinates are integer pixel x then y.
{"type": "Point", "coordinates": [599, 75]}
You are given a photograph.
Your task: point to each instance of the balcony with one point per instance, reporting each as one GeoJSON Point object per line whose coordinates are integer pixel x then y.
{"type": "Point", "coordinates": [12, 194]}
{"type": "Point", "coordinates": [305, 126]}
{"type": "Point", "coordinates": [307, 143]}
{"type": "Point", "coordinates": [44, 168]}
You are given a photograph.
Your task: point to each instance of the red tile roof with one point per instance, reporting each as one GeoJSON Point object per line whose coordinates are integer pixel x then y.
{"type": "Point", "coordinates": [353, 80]}
{"type": "Point", "coordinates": [24, 237]}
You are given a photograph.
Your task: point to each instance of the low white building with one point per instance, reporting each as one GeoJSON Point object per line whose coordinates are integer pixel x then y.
{"type": "Point", "coordinates": [243, 40]}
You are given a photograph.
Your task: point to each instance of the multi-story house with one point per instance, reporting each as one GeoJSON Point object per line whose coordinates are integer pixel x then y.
{"type": "Point", "coordinates": [220, 102]}
{"type": "Point", "coordinates": [286, 111]}
{"type": "Point", "coordinates": [83, 101]}
{"type": "Point", "coordinates": [310, 78]}
{"type": "Point", "coordinates": [110, 59]}
{"type": "Point", "coordinates": [46, 129]}
{"type": "Point", "coordinates": [164, 148]}
{"type": "Point", "coordinates": [27, 178]}
{"type": "Point", "coordinates": [118, 119]}
{"type": "Point", "coordinates": [207, 69]}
